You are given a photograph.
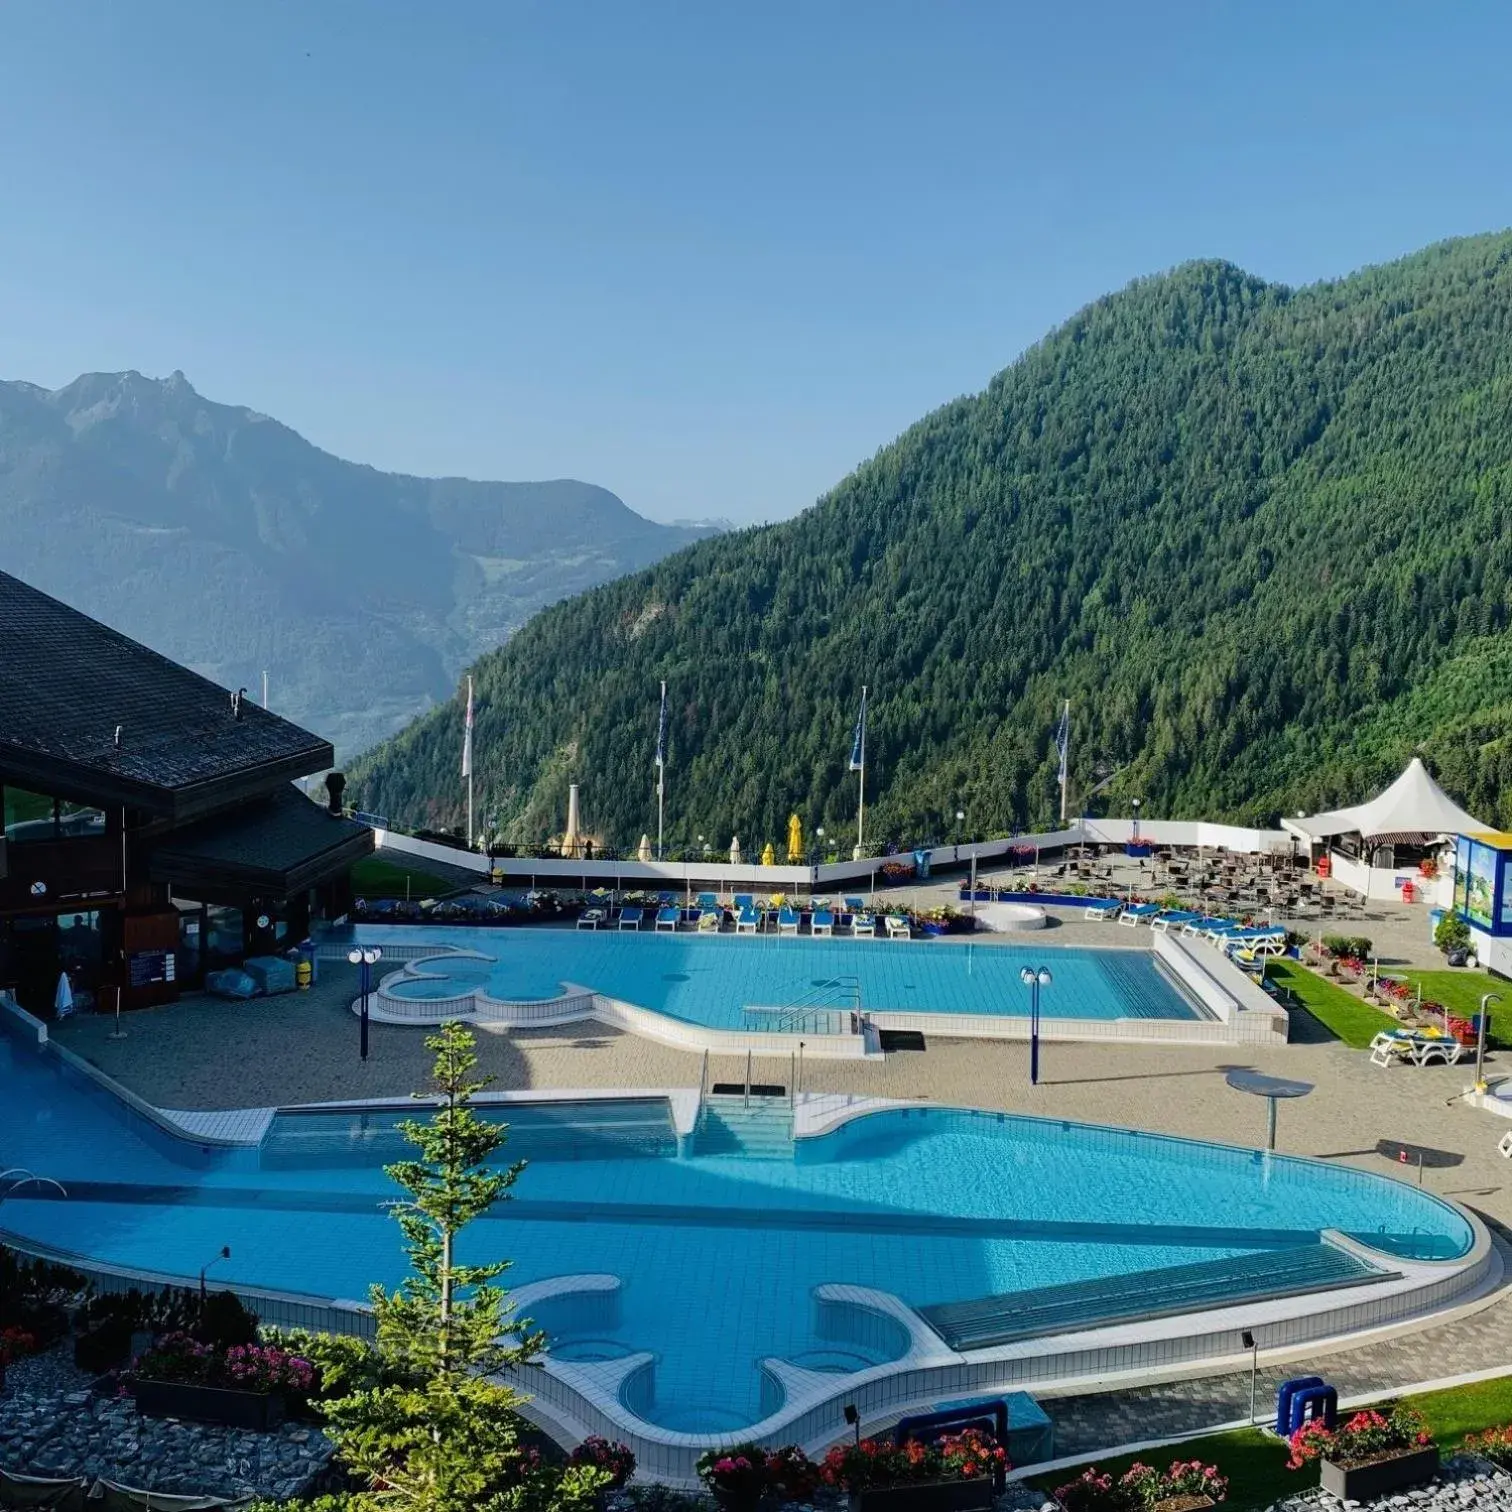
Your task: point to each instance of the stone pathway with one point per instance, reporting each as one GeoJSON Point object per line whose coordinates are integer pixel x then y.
{"type": "Point", "coordinates": [45, 1431]}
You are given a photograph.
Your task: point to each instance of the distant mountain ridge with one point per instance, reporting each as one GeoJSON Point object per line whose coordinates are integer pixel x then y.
{"type": "Point", "coordinates": [224, 539]}
{"type": "Point", "coordinates": [1260, 537]}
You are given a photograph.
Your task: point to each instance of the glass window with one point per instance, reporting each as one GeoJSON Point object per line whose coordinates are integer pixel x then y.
{"type": "Point", "coordinates": [223, 934]}
{"type": "Point", "coordinates": [28, 816]}
{"type": "Point", "coordinates": [191, 939]}
{"type": "Point", "coordinates": [76, 819]}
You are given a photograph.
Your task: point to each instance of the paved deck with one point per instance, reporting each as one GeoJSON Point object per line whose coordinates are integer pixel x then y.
{"type": "Point", "coordinates": [206, 1054]}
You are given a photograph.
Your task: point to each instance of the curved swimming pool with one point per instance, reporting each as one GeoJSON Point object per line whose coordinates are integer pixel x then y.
{"type": "Point", "coordinates": [722, 1245]}
{"type": "Point", "coordinates": [713, 981]}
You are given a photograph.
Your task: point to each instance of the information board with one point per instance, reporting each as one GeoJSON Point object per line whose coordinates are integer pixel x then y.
{"type": "Point", "coordinates": [149, 968]}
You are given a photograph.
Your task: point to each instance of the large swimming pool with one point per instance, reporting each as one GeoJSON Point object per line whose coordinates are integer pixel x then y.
{"type": "Point", "coordinates": [719, 1243]}
{"type": "Point", "coordinates": [713, 982]}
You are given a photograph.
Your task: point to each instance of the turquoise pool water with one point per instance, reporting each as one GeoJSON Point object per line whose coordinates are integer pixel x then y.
{"type": "Point", "coordinates": [714, 981]}
{"type": "Point", "coordinates": [719, 1254]}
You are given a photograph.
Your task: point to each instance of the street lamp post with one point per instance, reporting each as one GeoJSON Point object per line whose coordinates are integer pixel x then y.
{"type": "Point", "coordinates": [960, 824]}
{"type": "Point", "coordinates": [1034, 977]}
{"type": "Point", "coordinates": [1135, 837]}
{"type": "Point", "coordinates": [364, 956]}
{"type": "Point", "coordinates": [1480, 1039]}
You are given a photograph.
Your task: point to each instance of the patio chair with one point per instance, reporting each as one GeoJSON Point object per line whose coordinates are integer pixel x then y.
{"type": "Point", "coordinates": [788, 919]}
{"type": "Point", "coordinates": [823, 922]}
{"type": "Point", "coordinates": [710, 920]}
{"type": "Point", "coordinates": [630, 918]}
{"type": "Point", "coordinates": [747, 920]}
{"type": "Point", "coordinates": [668, 918]}
{"type": "Point", "coordinates": [898, 928]}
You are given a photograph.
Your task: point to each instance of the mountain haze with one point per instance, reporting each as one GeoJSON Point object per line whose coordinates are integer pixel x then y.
{"type": "Point", "coordinates": [1259, 536]}
{"type": "Point", "coordinates": [227, 541]}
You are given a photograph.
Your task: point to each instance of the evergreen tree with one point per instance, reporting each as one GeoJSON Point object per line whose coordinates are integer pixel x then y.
{"type": "Point", "coordinates": [441, 1433]}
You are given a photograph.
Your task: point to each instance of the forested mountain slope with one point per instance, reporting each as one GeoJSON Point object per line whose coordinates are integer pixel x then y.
{"type": "Point", "coordinates": [1258, 536]}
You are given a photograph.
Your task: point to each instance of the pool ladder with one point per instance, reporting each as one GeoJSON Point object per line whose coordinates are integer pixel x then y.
{"type": "Point", "coordinates": [19, 1176]}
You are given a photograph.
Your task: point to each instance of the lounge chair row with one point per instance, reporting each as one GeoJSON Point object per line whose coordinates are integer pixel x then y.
{"type": "Point", "coordinates": [709, 918]}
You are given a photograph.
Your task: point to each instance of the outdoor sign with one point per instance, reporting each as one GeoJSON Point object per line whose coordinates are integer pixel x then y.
{"type": "Point", "coordinates": [1483, 882]}
{"type": "Point", "coordinates": [147, 968]}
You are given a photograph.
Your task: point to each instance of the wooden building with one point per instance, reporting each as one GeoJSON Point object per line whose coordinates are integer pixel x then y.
{"type": "Point", "coordinates": [152, 829]}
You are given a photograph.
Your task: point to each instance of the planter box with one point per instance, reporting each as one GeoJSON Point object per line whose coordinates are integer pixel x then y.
{"type": "Point", "coordinates": [934, 1496]}
{"type": "Point", "coordinates": [1361, 1482]}
{"type": "Point", "coordinates": [1183, 1503]}
{"type": "Point", "coordinates": [259, 1411]}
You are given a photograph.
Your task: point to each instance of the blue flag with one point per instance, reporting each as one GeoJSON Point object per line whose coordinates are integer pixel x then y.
{"type": "Point", "coordinates": [858, 738]}
{"type": "Point", "coordinates": [661, 731]}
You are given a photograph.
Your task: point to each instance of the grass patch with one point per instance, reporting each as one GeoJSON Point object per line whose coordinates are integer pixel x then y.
{"type": "Point", "coordinates": [1459, 991]}
{"type": "Point", "coordinates": [1256, 1464]}
{"type": "Point", "coordinates": [373, 877]}
{"type": "Point", "coordinates": [1345, 1016]}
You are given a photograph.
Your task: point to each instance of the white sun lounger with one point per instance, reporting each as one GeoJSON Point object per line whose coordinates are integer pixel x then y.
{"type": "Point", "coordinates": [591, 918]}
{"type": "Point", "coordinates": [898, 928]}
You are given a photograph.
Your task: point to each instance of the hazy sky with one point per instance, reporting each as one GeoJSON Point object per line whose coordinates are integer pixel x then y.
{"type": "Point", "coordinates": [707, 254]}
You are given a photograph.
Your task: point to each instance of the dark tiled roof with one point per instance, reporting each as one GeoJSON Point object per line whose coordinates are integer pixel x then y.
{"type": "Point", "coordinates": [278, 843]}
{"type": "Point", "coordinates": [67, 681]}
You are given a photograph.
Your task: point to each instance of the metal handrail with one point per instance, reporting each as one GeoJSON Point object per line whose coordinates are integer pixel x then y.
{"type": "Point", "coordinates": [792, 1015]}
{"type": "Point", "coordinates": [748, 1080]}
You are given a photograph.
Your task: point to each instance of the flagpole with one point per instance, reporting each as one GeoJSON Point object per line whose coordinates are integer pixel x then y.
{"type": "Point", "coordinates": [1065, 755]}
{"type": "Point", "coordinates": [468, 754]}
{"type": "Point", "coordinates": [661, 771]}
{"type": "Point", "coordinates": [861, 785]}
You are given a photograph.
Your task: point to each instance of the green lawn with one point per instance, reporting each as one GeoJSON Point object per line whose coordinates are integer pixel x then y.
{"type": "Point", "coordinates": [1349, 1018]}
{"type": "Point", "coordinates": [1256, 1464]}
{"type": "Point", "coordinates": [374, 877]}
{"type": "Point", "coordinates": [1460, 991]}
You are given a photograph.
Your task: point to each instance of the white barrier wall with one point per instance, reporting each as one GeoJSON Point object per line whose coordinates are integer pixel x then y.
{"type": "Point", "coordinates": [725, 876]}
{"type": "Point", "coordinates": [1380, 883]}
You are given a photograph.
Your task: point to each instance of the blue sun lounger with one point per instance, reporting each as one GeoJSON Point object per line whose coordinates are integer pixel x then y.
{"type": "Point", "coordinates": [1137, 913]}
{"type": "Point", "coordinates": [630, 918]}
{"type": "Point", "coordinates": [747, 921]}
{"type": "Point", "coordinates": [668, 918]}
{"type": "Point", "coordinates": [788, 920]}
{"type": "Point", "coordinates": [1105, 909]}
{"type": "Point", "coordinates": [1172, 918]}
{"type": "Point", "coordinates": [823, 922]}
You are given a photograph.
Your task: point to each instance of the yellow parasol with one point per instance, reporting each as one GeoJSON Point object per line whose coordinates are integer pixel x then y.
{"type": "Point", "coordinates": [795, 840]}
{"type": "Point", "coordinates": [768, 855]}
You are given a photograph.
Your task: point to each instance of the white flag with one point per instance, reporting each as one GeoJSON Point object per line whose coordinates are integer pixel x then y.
{"type": "Point", "coordinates": [467, 733]}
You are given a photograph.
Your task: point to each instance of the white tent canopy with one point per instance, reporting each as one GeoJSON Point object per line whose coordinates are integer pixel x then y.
{"type": "Point", "coordinates": [1413, 805]}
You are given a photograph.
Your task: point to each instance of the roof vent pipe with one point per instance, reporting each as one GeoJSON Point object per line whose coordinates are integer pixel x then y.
{"type": "Point", "coordinates": [118, 738]}
{"type": "Point", "coordinates": [236, 703]}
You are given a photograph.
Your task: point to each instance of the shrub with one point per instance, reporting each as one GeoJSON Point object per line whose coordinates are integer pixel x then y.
{"type": "Point", "coordinates": [616, 1460]}
{"type": "Point", "coordinates": [1366, 1436]}
{"type": "Point", "coordinates": [1495, 1444]}
{"type": "Point", "coordinates": [342, 1364]}
{"type": "Point", "coordinates": [243, 1367]}
{"type": "Point", "coordinates": [741, 1469]}
{"type": "Point", "coordinates": [224, 1322]}
{"type": "Point", "coordinates": [1452, 934]}
{"type": "Point", "coordinates": [880, 1462]}
{"type": "Point", "coordinates": [1095, 1490]}
{"type": "Point", "coordinates": [792, 1474]}
{"type": "Point", "coordinates": [1146, 1486]}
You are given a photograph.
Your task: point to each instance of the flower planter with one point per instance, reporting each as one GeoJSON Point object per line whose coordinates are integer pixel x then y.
{"type": "Point", "coordinates": [1186, 1502]}
{"type": "Point", "coordinates": [256, 1410]}
{"type": "Point", "coordinates": [932, 1496]}
{"type": "Point", "coordinates": [1407, 1467]}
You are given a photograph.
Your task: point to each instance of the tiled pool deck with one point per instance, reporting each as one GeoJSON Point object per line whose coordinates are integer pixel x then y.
{"type": "Point", "coordinates": [203, 1055]}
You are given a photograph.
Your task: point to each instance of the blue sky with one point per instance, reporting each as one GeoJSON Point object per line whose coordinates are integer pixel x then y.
{"type": "Point", "coordinates": [710, 255]}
